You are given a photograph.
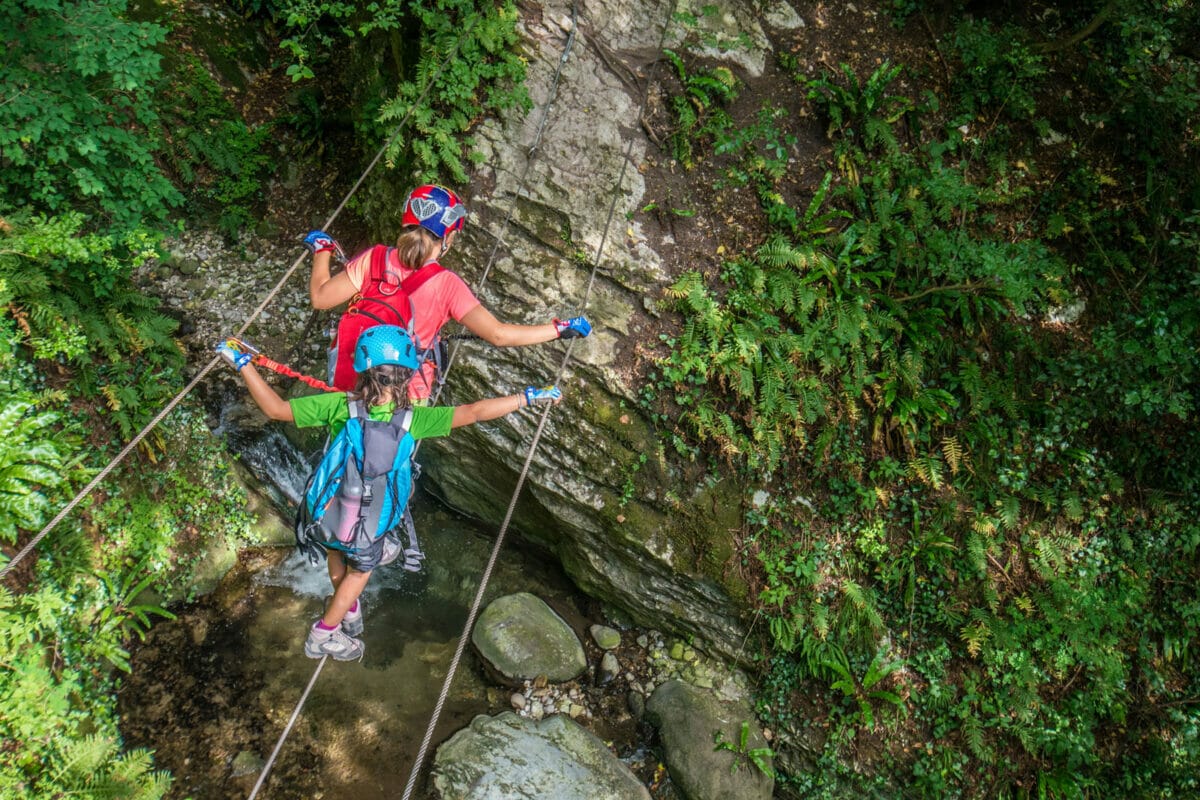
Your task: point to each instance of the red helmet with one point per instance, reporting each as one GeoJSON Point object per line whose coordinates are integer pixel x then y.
{"type": "Point", "coordinates": [435, 208]}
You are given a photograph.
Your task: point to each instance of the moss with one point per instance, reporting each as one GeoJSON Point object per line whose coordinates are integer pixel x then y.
{"type": "Point", "coordinates": [699, 529]}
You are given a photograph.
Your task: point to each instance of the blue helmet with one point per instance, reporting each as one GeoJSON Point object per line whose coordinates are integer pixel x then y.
{"type": "Point", "coordinates": [384, 344]}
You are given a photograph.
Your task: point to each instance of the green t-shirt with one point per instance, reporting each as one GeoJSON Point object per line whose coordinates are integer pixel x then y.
{"type": "Point", "coordinates": [332, 411]}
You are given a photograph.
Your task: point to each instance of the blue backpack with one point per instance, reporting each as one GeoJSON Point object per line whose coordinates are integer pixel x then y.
{"type": "Point", "coordinates": [360, 490]}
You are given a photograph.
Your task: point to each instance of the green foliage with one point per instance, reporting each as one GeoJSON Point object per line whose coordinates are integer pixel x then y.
{"type": "Point", "coordinates": [78, 124]}
{"type": "Point", "coordinates": [31, 465]}
{"type": "Point", "coordinates": [862, 691]}
{"type": "Point", "coordinates": [60, 638]}
{"type": "Point", "coordinates": [861, 112]}
{"type": "Point", "coordinates": [68, 291]}
{"type": "Point", "coordinates": [210, 148]}
{"type": "Point", "coordinates": [93, 767]}
{"type": "Point", "coordinates": [485, 77]}
{"type": "Point", "coordinates": [697, 108]}
{"type": "Point", "coordinates": [1001, 491]}
{"type": "Point", "coordinates": [999, 73]}
{"type": "Point", "coordinates": [760, 757]}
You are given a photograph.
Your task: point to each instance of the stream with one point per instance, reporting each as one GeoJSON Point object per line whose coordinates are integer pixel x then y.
{"type": "Point", "coordinates": [211, 691]}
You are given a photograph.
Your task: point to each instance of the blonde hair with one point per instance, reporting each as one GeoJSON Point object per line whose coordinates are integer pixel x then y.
{"type": "Point", "coordinates": [387, 383]}
{"type": "Point", "coordinates": [413, 245]}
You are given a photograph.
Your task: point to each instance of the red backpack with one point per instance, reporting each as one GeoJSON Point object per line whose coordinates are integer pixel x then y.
{"type": "Point", "coordinates": [380, 302]}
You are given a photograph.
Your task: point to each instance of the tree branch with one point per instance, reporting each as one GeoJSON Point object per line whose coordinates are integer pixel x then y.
{"type": "Point", "coordinates": [1079, 36]}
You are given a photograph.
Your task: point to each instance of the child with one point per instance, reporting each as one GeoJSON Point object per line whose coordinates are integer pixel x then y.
{"type": "Point", "coordinates": [394, 285]}
{"type": "Point", "coordinates": [384, 359]}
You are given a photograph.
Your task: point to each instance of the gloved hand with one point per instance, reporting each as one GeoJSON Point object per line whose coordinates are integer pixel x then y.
{"type": "Point", "coordinates": [543, 395]}
{"type": "Point", "coordinates": [321, 242]}
{"type": "Point", "coordinates": [572, 328]}
{"type": "Point", "coordinates": [236, 353]}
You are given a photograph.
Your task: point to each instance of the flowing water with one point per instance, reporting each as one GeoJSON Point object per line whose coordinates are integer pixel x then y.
{"type": "Point", "coordinates": [211, 692]}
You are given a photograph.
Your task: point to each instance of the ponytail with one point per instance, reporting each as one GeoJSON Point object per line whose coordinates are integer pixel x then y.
{"type": "Point", "coordinates": [412, 246]}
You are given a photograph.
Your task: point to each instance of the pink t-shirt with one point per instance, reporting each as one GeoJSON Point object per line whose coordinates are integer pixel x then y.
{"type": "Point", "coordinates": [442, 297]}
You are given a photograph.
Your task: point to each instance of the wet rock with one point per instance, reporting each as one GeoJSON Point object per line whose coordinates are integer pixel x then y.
{"type": "Point", "coordinates": [519, 759]}
{"type": "Point", "coordinates": [606, 638]}
{"type": "Point", "coordinates": [608, 669]}
{"type": "Point", "coordinates": [521, 637]}
{"type": "Point", "coordinates": [686, 718]}
{"type": "Point", "coordinates": [246, 763]}
{"type": "Point", "coordinates": [637, 703]}
{"type": "Point", "coordinates": [518, 700]}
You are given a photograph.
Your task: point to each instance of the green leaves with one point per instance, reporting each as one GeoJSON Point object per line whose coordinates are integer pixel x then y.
{"type": "Point", "coordinates": [78, 119]}
{"type": "Point", "coordinates": [31, 466]}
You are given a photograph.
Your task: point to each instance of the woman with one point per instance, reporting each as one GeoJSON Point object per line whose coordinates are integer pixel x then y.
{"type": "Point", "coordinates": [405, 285]}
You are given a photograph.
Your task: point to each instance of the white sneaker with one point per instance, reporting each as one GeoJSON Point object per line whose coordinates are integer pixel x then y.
{"type": "Point", "coordinates": [352, 623]}
{"type": "Point", "coordinates": [333, 643]}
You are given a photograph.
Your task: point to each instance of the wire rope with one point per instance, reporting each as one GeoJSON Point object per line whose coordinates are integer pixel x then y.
{"type": "Point", "coordinates": [262, 776]}
{"type": "Point", "coordinates": [500, 536]}
{"type": "Point", "coordinates": [521, 184]}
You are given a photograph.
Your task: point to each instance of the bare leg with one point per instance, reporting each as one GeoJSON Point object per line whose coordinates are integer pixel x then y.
{"type": "Point", "coordinates": [337, 567]}
{"type": "Point", "coordinates": [350, 585]}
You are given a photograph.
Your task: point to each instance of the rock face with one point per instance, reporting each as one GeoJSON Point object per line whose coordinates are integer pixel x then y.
{"type": "Point", "coordinates": [687, 719]}
{"type": "Point", "coordinates": [521, 637]}
{"type": "Point", "coordinates": [509, 758]}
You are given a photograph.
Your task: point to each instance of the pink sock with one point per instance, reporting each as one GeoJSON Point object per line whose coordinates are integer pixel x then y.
{"type": "Point", "coordinates": [321, 626]}
{"type": "Point", "coordinates": [353, 608]}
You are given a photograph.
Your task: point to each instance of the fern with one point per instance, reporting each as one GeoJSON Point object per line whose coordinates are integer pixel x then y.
{"type": "Point", "coordinates": [92, 767]}
{"type": "Point", "coordinates": [32, 462]}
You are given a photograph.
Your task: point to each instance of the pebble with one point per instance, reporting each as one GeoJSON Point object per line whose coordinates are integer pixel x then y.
{"type": "Point", "coordinates": [643, 641]}
{"type": "Point", "coordinates": [518, 701]}
{"type": "Point", "coordinates": [636, 703]}
{"type": "Point", "coordinates": [607, 669]}
{"type": "Point", "coordinates": [606, 638]}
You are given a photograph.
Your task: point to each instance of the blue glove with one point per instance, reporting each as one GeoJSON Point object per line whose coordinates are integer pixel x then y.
{"type": "Point", "coordinates": [546, 394]}
{"type": "Point", "coordinates": [235, 353]}
{"type": "Point", "coordinates": [572, 328]}
{"type": "Point", "coordinates": [322, 242]}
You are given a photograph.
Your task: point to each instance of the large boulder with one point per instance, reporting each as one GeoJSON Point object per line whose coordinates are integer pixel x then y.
{"type": "Point", "coordinates": [507, 757]}
{"type": "Point", "coordinates": [688, 719]}
{"type": "Point", "coordinates": [521, 637]}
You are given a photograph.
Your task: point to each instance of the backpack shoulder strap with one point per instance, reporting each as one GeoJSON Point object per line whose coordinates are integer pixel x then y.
{"type": "Point", "coordinates": [379, 254]}
{"type": "Point", "coordinates": [402, 420]}
{"type": "Point", "coordinates": [418, 278]}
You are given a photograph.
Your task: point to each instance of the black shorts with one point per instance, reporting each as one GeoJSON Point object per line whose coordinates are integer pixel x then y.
{"type": "Point", "coordinates": [363, 559]}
